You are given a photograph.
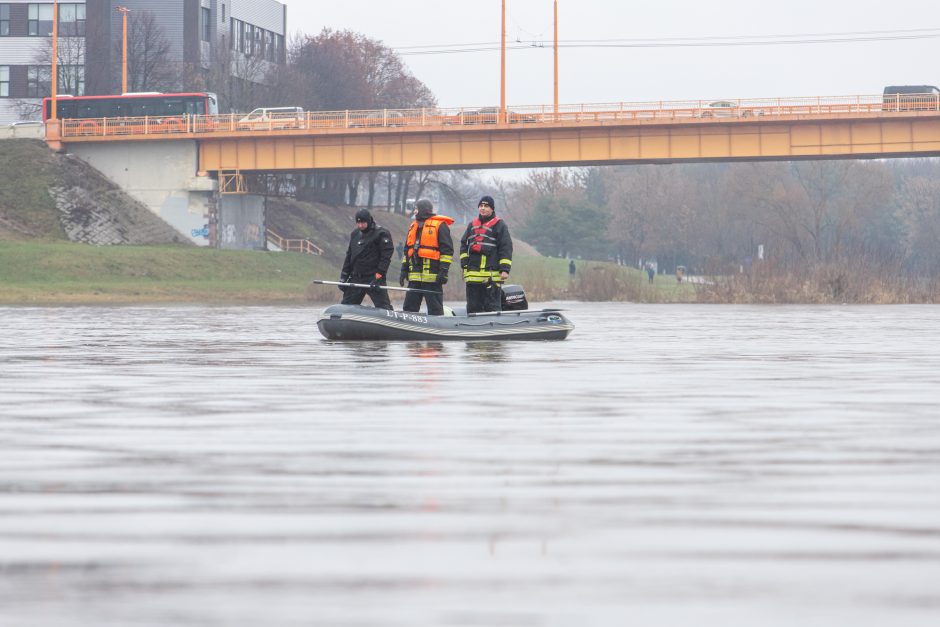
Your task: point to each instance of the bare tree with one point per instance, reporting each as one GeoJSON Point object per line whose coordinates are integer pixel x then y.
{"type": "Point", "coordinates": [70, 58]}
{"type": "Point", "coordinates": [149, 67]}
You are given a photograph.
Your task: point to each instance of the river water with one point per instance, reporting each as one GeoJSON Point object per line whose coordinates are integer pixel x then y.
{"type": "Point", "coordinates": [666, 465]}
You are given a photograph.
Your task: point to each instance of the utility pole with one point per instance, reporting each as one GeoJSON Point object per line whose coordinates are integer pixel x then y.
{"type": "Point", "coordinates": [124, 11]}
{"type": "Point", "coordinates": [502, 73]}
{"type": "Point", "coordinates": [556, 59]}
{"type": "Point", "coordinates": [55, 59]}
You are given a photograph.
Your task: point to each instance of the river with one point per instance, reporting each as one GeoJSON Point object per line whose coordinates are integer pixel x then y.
{"type": "Point", "coordinates": [665, 466]}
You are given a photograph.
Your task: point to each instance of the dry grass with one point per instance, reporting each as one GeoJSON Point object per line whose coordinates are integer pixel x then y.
{"type": "Point", "coordinates": [829, 284]}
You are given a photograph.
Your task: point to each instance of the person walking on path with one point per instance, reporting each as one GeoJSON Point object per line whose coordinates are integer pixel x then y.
{"type": "Point", "coordinates": [571, 269]}
{"type": "Point", "coordinates": [650, 272]}
{"type": "Point", "coordinates": [486, 258]}
{"type": "Point", "coordinates": [429, 251]}
{"type": "Point", "coordinates": [367, 258]}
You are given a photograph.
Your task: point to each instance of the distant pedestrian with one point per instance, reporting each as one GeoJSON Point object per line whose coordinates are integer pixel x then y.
{"type": "Point", "coordinates": [650, 272]}
{"type": "Point", "coordinates": [400, 249]}
{"type": "Point", "coordinates": [571, 269]}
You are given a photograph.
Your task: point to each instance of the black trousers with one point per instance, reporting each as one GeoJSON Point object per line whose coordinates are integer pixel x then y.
{"type": "Point", "coordinates": [484, 297]}
{"type": "Point", "coordinates": [434, 301]}
{"type": "Point", "coordinates": [355, 295]}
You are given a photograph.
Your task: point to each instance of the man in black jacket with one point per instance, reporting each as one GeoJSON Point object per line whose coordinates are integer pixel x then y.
{"type": "Point", "coordinates": [486, 258]}
{"type": "Point", "coordinates": [367, 258]}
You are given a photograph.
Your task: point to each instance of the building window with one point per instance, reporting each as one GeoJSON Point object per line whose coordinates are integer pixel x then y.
{"type": "Point", "coordinates": [71, 20]}
{"type": "Point", "coordinates": [238, 35]}
{"type": "Point", "coordinates": [38, 81]}
{"type": "Point", "coordinates": [205, 23]}
{"type": "Point", "coordinates": [4, 20]}
{"type": "Point", "coordinates": [39, 22]}
{"type": "Point", "coordinates": [4, 81]}
{"type": "Point", "coordinates": [269, 49]}
{"type": "Point", "coordinates": [223, 13]}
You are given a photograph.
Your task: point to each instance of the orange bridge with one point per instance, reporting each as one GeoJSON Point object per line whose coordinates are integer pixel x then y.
{"type": "Point", "coordinates": [661, 132]}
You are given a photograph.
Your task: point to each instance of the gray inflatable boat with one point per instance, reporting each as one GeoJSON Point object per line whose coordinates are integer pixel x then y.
{"type": "Point", "coordinates": [356, 322]}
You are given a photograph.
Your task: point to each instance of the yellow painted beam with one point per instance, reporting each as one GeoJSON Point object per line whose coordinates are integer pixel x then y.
{"type": "Point", "coordinates": [566, 146]}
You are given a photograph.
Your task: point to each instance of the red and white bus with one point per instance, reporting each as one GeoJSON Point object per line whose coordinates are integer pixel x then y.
{"type": "Point", "coordinates": [131, 106]}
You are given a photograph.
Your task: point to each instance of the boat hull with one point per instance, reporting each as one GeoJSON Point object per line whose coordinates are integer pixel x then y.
{"type": "Point", "coordinates": [358, 323]}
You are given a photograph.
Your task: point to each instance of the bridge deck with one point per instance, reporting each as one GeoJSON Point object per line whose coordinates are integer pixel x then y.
{"type": "Point", "coordinates": [750, 129]}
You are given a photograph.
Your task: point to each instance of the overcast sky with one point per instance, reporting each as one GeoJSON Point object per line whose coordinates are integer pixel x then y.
{"type": "Point", "coordinates": [595, 75]}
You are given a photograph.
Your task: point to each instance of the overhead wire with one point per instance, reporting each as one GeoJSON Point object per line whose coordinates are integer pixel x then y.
{"type": "Point", "coordinates": [684, 42]}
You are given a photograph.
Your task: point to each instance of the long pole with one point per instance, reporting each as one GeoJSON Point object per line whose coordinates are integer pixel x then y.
{"type": "Point", "coordinates": [55, 59]}
{"type": "Point", "coordinates": [502, 70]}
{"type": "Point", "coordinates": [124, 11]}
{"type": "Point", "coordinates": [556, 59]}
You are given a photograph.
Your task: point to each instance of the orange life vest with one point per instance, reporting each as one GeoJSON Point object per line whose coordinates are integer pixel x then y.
{"type": "Point", "coordinates": [482, 240]}
{"type": "Point", "coordinates": [428, 247]}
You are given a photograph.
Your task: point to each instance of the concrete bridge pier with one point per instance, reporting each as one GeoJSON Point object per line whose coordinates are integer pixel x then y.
{"type": "Point", "coordinates": [161, 175]}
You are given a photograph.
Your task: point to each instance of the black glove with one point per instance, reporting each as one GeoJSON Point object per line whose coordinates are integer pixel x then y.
{"type": "Point", "coordinates": [375, 283]}
{"type": "Point", "coordinates": [403, 277]}
{"type": "Point", "coordinates": [442, 279]}
{"type": "Point", "coordinates": [342, 279]}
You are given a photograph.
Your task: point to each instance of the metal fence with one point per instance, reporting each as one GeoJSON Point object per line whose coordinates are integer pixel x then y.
{"type": "Point", "coordinates": [621, 112]}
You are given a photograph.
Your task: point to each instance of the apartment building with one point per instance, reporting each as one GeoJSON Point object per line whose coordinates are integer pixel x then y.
{"type": "Point", "coordinates": [90, 32]}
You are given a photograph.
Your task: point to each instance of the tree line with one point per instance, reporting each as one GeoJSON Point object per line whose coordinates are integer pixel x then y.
{"type": "Point", "coordinates": [717, 218]}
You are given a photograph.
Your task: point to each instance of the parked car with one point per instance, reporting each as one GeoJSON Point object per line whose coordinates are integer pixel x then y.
{"type": "Point", "coordinates": [273, 118]}
{"type": "Point", "coordinates": [727, 109]}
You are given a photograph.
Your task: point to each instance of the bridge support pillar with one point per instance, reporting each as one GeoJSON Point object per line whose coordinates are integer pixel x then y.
{"type": "Point", "coordinates": [161, 175]}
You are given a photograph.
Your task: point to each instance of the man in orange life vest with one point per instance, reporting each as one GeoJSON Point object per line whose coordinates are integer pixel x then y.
{"type": "Point", "coordinates": [429, 251]}
{"type": "Point", "coordinates": [486, 258]}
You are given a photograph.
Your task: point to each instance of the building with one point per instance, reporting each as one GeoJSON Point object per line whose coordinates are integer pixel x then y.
{"type": "Point", "coordinates": [196, 33]}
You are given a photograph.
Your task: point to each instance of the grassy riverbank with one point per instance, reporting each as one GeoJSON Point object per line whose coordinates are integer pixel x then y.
{"type": "Point", "coordinates": [50, 273]}
{"type": "Point", "coordinates": [65, 273]}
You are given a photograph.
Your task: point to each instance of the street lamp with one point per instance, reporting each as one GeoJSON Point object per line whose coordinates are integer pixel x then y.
{"type": "Point", "coordinates": [124, 11]}
{"type": "Point", "coordinates": [55, 59]}
{"type": "Point", "coordinates": [502, 70]}
{"type": "Point", "coordinates": [556, 60]}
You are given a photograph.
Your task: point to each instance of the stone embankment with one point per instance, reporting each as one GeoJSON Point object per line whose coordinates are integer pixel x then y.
{"type": "Point", "coordinates": [109, 217]}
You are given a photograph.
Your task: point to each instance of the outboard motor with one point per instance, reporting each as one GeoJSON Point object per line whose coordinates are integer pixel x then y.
{"type": "Point", "coordinates": [513, 298]}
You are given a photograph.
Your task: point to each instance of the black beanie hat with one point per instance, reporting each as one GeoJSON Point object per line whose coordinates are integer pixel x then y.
{"type": "Point", "coordinates": [488, 200]}
{"type": "Point", "coordinates": [363, 214]}
{"type": "Point", "coordinates": [424, 207]}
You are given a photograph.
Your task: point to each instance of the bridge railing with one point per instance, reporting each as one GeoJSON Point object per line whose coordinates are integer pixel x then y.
{"type": "Point", "coordinates": [680, 110]}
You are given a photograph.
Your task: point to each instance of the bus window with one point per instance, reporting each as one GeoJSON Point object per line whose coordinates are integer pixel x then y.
{"type": "Point", "coordinates": [172, 107]}
{"type": "Point", "coordinates": [143, 107]}
{"type": "Point", "coordinates": [87, 109]}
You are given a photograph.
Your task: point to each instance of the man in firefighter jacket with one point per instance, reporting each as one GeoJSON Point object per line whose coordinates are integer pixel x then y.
{"type": "Point", "coordinates": [429, 251]}
{"type": "Point", "coordinates": [367, 258]}
{"type": "Point", "coordinates": [486, 258]}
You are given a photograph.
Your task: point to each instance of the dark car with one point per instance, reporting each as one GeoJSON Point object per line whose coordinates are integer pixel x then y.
{"type": "Point", "coordinates": [910, 98]}
{"type": "Point", "coordinates": [490, 115]}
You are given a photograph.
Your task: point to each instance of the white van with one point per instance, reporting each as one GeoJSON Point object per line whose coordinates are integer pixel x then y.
{"type": "Point", "coordinates": [273, 118]}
